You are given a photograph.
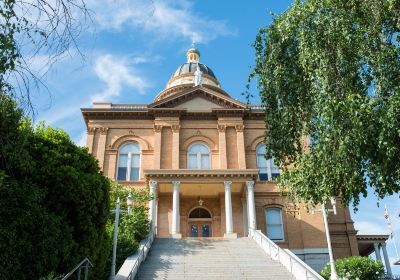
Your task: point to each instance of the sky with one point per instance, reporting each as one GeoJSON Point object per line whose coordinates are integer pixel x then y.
{"type": "Point", "coordinates": [131, 48]}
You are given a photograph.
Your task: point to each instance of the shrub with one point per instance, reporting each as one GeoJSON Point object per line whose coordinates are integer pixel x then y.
{"type": "Point", "coordinates": [54, 201]}
{"type": "Point", "coordinates": [356, 268]}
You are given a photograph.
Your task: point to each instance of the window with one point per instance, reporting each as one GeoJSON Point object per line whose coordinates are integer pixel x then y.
{"type": "Point", "coordinates": [199, 157]}
{"type": "Point", "coordinates": [267, 167]}
{"type": "Point", "coordinates": [128, 162]}
{"type": "Point", "coordinates": [273, 217]}
{"type": "Point", "coordinates": [199, 213]}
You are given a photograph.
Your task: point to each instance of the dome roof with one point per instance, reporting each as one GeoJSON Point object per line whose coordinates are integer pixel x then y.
{"type": "Point", "coordinates": [190, 67]}
{"type": "Point", "coordinates": [187, 72]}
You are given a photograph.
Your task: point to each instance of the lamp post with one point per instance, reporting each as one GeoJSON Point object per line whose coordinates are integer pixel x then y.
{"type": "Point", "coordinates": [129, 202]}
{"type": "Point", "coordinates": [117, 211]}
{"type": "Point", "coordinates": [325, 212]}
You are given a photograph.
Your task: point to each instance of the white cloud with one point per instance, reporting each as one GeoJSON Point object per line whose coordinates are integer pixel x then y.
{"type": "Point", "coordinates": [166, 19]}
{"type": "Point", "coordinates": [117, 72]}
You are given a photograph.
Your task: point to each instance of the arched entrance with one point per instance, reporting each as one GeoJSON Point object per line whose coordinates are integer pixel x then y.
{"type": "Point", "coordinates": [200, 222]}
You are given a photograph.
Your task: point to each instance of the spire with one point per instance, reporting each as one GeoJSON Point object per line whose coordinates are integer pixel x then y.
{"type": "Point", "coordinates": [193, 55]}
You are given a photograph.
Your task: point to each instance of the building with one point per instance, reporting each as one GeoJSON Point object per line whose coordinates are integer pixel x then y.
{"type": "Point", "coordinates": [201, 154]}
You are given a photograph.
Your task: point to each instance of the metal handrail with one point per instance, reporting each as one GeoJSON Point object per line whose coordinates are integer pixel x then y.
{"type": "Point", "coordinates": [282, 254]}
{"type": "Point", "coordinates": [142, 254]}
{"type": "Point", "coordinates": [87, 265]}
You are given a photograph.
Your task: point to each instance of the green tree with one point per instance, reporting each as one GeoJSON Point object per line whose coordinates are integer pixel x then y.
{"type": "Point", "coordinates": [328, 72]}
{"type": "Point", "coordinates": [54, 200]}
{"type": "Point", "coordinates": [28, 29]}
{"type": "Point", "coordinates": [355, 268]}
{"type": "Point", "coordinates": [132, 228]}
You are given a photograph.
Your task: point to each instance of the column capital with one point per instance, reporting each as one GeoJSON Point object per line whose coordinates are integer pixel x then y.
{"type": "Point", "coordinates": [227, 184]}
{"type": "Point", "coordinates": [153, 185]}
{"type": "Point", "coordinates": [103, 130]}
{"type": "Point", "coordinates": [157, 128]}
{"type": "Point", "coordinates": [239, 127]}
{"type": "Point", "coordinates": [383, 245]}
{"type": "Point", "coordinates": [175, 127]}
{"type": "Point", "coordinates": [91, 130]}
{"type": "Point", "coordinates": [250, 185]}
{"type": "Point", "coordinates": [221, 128]}
{"type": "Point", "coordinates": [176, 184]}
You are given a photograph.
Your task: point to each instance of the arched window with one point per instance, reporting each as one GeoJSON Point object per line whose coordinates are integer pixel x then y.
{"type": "Point", "coordinates": [199, 213]}
{"type": "Point", "coordinates": [128, 162]}
{"type": "Point", "coordinates": [267, 167]}
{"type": "Point", "coordinates": [273, 217]}
{"type": "Point", "coordinates": [199, 157]}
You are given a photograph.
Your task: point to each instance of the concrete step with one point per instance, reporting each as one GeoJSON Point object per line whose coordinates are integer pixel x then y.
{"type": "Point", "coordinates": [238, 258]}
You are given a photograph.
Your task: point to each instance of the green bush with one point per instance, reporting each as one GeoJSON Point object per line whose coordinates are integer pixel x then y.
{"type": "Point", "coordinates": [54, 201]}
{"type": "Point", "coordinates": [132, 228]}
{"type": "Point", "coordinates": [356, 268]}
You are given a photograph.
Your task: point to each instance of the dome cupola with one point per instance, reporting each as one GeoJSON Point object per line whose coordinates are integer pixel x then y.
{"type": "Point", "coordinates": [186, 73]}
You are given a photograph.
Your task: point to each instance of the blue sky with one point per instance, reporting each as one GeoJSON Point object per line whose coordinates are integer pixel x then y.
{"type": "Point", "coordinates": [132, 47]}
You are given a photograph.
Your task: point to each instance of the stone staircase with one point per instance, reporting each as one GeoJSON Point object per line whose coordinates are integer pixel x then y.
{"type": "Point", "coordinates": [207, 258]}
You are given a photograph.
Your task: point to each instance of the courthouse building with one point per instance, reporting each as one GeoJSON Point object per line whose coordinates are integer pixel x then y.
{"type": "Point", "coordinates": [201, 153]}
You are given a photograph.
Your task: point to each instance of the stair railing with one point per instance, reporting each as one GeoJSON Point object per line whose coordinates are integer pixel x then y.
{"type": "Point", "coordinates": [86, 264]}
{"type": "Point", "coordinates": [130, 267]}
{"type": "Point", "coordinates": [299, 269]}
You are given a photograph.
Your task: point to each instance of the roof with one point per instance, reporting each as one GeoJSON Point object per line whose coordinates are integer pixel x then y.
{"type": "Point", "coordinates": [190, 67]}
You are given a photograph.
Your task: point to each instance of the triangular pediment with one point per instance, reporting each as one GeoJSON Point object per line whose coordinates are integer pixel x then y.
{"type": "Point", "coordinates": [199, 99]}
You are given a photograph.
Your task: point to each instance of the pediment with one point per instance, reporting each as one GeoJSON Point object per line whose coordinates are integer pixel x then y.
{"type": "Point", "coordinates": [198, 104]}
{"type": "Point", "coordinates": [198, 99]}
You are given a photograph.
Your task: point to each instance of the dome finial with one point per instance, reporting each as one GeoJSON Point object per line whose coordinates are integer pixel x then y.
{"type": "Point", "coordinates": [193, 55]}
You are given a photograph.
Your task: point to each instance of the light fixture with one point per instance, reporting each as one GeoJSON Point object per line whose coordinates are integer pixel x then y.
{"type": "Point", "coordinates": [129, 200]}
{"type": "Point", "coordinates": [333, 202]}
{"type": "Point", "coordinates": [200, 201]}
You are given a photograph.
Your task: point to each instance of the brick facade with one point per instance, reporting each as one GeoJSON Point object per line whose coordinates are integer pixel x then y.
{"type": "Point", "coordinates": [185, 114]}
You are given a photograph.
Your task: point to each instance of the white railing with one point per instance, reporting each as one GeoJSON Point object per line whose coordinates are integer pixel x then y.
{"type": "Point", "coordinates": [256, 106]}
{"type": "Point", "coordinates": [129, 106]}
{"type": "Point", "coordinates": [131, 265]}
{"type": "Point", "coordinates": [299, 269]}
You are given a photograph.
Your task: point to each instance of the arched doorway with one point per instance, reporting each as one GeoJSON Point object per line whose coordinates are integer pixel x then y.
{"type": "Point", "coordinates": [200, 222]}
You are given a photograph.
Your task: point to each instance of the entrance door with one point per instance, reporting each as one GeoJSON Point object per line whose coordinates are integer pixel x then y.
{"type": "Point", "coordinates": [200, 229]}
{"type": "Point", "coordinates": [205, 230]}
{"type": "Point", "coordinates": [200, 222]}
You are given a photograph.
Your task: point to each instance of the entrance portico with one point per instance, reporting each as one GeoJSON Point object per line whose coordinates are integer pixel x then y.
{"type": "Point", "coordinates": [224, 194]}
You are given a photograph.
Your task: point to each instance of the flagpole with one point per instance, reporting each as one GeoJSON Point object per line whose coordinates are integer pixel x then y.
{"type": "Point", "coordinates": [393, 236]}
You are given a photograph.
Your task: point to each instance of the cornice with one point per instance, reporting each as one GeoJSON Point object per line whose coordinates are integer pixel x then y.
{"type": "Point", "coordinates": [220, 175]}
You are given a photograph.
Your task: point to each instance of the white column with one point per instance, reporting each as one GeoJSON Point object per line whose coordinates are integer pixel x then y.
{"type": "Point", "coordinates": [175, 210]}
{"type": "Point", "coordinates": [228, 211]}
{"type": "Point", "coordinates": [377, 252]}
{"type": "Point", "coordinates": [386, 258]}
{"type": "Point", "coordinates": [153, 203]}
{"type": "Point", "coordinates": [251, 205]}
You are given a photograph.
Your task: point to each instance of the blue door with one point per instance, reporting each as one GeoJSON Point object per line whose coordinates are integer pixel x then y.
{"type": "Point", "coordinates": [205, 230]}
{"type": "Point", "coordinates": [194, 231]}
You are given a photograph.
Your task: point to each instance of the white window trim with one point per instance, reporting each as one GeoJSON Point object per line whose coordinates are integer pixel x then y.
{"type": "Point", "coordinates": [128, 165]}
{"type": "Point", "coordinates": [269, 163]}
{"type": "Point", "coordinates": [198, 157]}
{"type": "Point", "coordinates": [282, 227]}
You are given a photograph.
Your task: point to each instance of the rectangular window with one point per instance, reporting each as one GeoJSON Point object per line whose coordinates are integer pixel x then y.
{"type": "Point", "coordinates": [205, 161]}
{"type": "Point", "coordinates": [122, 167]}
{"type": "Point", "coordinates": [135, 164]}
{"type": "Point", "coordinates": [192, 161]}
{"type": "Point", "coordinates": [273, 218]}
{"type": "Point", "coordinates": [263, 174]}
